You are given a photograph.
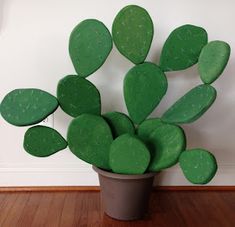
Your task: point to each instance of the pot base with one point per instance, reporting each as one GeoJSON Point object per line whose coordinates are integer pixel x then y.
{"type": "Point", "coordinates": [125, 197]}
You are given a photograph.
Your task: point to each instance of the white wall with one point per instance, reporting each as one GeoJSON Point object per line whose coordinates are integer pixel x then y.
{"type": "Point", "coordinates": [33, 53]}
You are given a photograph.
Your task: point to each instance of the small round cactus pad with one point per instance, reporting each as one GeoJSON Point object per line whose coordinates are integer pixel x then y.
{"type": "Point", "coordinates": [144, 87]}
{"type": "Point", "coordinates": [43, 141]}
{"type": "Point", "coordinates": [28, 106]}
{"type": "Point", "coordinates": [89, 138]}
{"type": "Point", "coordinates": [212, 60]}
{"type": "Point", "coordinates": [119, 123]}
{"type": "Point", "coordinates": [167, 142]}
{"type": "Point", "coordinates": [182, 48]}
{"type": "Point", "coordinates": [128, 155]}
{"type": "Point", "coordinates": [133, 33]}
{"type": "Point", "coordinates": [147, 127]}
{"type": "Point", "coordinates": [76, 96]}
{"type": "Point", "coordinates": [191, 106]}
{"type": "Point", "coordinates": [199, 166]}
{"type": "Point", "coordinates": [89, 46]}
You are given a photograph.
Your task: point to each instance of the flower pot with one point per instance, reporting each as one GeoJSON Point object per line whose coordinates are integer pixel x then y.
{"type": "Point", "coordinates": [125, 197]}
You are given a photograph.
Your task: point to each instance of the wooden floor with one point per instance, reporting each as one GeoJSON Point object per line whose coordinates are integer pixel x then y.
{"type": "Point", "coordinates": [167, 208]}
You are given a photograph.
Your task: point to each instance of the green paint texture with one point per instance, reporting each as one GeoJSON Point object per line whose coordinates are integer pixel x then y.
{"type": "Point", "coordinates": [147, 127]}
{"type": "Point", "coordinates": [213, 60]}
{"type": "Point", "coordinates": [22, 107]}
{"type": "Point", "coordinates": [89, 46]}
{"type": "Point", "coordinates": [119, 123]}
{"type": "Point", "coordinates": [144, 87]}
{"type": "Point", "coordinates": [167, 142]}
{"type": "Point", "coordinates": [198, 165]}
{"type": "Point", "coordinates": [42, 141]}
{"type": "Point", "coordinates": [182, 48]}
{"type": "Point", "coordinates": [191, 106]}
{"type": "Point", "coordinates": [128, 155]}
{"type": "Point", "coordinates": [89, 138]}
{"type": "Point", "coordinates": [76, 96]}
{"type": "Point", "coordinates": [133, 33]}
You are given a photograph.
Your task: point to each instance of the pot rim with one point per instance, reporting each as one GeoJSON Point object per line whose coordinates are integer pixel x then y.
{"type": "Point", "coordinates": [123, 176]}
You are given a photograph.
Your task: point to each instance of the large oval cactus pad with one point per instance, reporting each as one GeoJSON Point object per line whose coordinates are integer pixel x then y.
{"type": "Point", "coordinates": [42, 141]}
{"type": "Point", "coordinates": [133, 33]}
{"type": "Point", "coordinates": [182, 48]}
{"type": "Point", "coordinates": [89, 46]}
{"type": "Point", "coordinates": [128, 155]}
{"type": "Point", "coordinates": [167, 142]}
{"type": "Point", "coordinates": [144, 87]}
{"type": "Point", "coordinates": [89, 138]}
{"type": "Point", "coordinates": [191, 106]}
{"type": "Point", "coordinates": [119, 123]}
{"type": "Point", "coordinates": [212, 60]}
{"type": "Point", "coordinates": [76, 96]}
{"type": "Point", "coordinates": [147, 127]}
{"type": "Point", "coordinates": [27, 106]}
{"type": "Point", "coordinates": [198, 165]}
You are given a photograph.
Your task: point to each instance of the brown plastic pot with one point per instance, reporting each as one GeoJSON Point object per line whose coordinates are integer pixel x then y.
{"type": "Point", "coordinates": [125, 197]}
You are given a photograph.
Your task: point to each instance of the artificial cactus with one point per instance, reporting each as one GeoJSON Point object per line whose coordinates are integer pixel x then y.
{"type": "Point", "coordinates": [144, 87]}
{"type": "Point", "coordinates": [128, 155]}
{"type": "Point", "coordinates": [89, 46]}
{"type": "Point", "coordinates": [71, 91]}
{"type": "Point", "coordinates": [133, 33]}
{"type": "Point", "coordinates": [27, 106]}
{"type": "Point", "coordinates": [191, 106]}
{"type": "Point", "coordinates": [182, 48]}
{"type": "Point", "coordinates": [212, 60]}
{"type": "Point", "coordinates": [157, 143]}
{"type": "Point", "coordinates": [166, 142]}
{"type": "Point", "coordinates": [89, 138]}
{"type": "Point", "coordinates": [199, 166]}
{"type": "Point", "coordinates": [119, 123]}
{"type": "Point", "coordinates": [42, 141]}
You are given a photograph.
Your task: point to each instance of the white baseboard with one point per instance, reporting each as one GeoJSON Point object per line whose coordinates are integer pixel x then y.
{"type": "Point", "coordinates": [85, 176]}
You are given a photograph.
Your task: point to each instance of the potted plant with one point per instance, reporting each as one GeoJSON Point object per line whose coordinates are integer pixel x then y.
{"type": "Point", "coordinates": [126, 151]}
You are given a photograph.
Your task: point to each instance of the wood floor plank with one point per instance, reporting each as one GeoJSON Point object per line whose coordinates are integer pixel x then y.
{"type": "Point", "coordinates": [7, 206]}
{"type": "Point", "coordinates": [83, 209]}
{"type": "Point", "coordinates": [30, 210]}
{"type": "Point", "coordinates": [16, 210]}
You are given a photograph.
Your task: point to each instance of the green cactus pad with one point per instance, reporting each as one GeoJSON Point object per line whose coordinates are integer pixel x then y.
{"type": "Point", "coordinates": [89, 138]}
{"type": "Point", "coordinates": [128, 155]}
{"type": "Point", "coordinates": [144, 87]}
{"type": "Point", "coordinates": [167, 142]}
{"type": "Point", "coordinates": [76, 96]}
{"type": "Point", "coordinates": [191, 106]}
{"type": "Point", "coordinates": [199, 166]}
{"type": "Point", "coordinates": [182, 48]}
{"type": "Point", "coordinates": [147, 127]}
{"type": "Point", "coordinates": [89, 46]}
{"type": "Point", "coordinates": [27, 106]}
{"type": "Point", "coordinates": [212, 60]}
{"type": "Point", "coordinates": [41, 141]}
{"type": "Point", "coordinates": [119, 123]}
{"type": "Point", "coordinates": [133, 33]}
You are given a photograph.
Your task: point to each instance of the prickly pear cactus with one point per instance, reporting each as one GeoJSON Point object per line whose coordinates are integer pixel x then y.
{"type": "Point", "coordinates": [133, 33]}
{"type": "Point", "coordinates": [114, 141]}
{"type": "Point", "coordinates": [212, 60]}
{"type": "Point", "coordinates": [42, 141]}
{"type": "Point", "coordinates": [27, 106]}
{"type": "Point", "coordinates": [144, 87]}
{"type": "Point", "coordinates": [128, 155]}
{"type": "Point", "coordinates": [89, 46]}
{"type": "Point", "coordinates": [119, 123]}
{"type": "Point", "coordinates": [199, 166]}
{"type": "Point", "coordinates": [191, 106]}
{"type": "Point", "coordinates": [71, 91]}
